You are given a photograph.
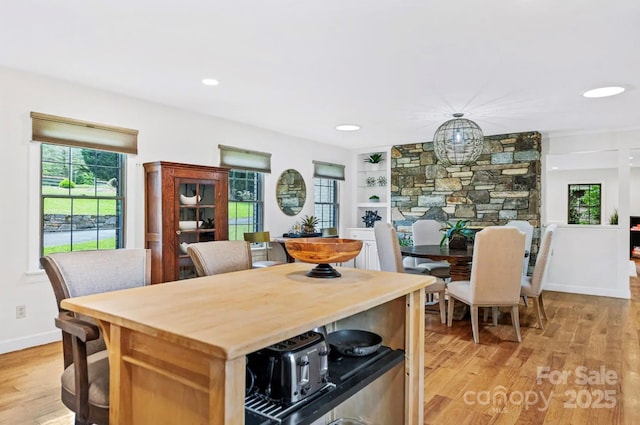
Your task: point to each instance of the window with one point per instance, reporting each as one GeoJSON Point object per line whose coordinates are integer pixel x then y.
{"type": "Point", "coordinates": [326, 202]}
{"type": "Point", "coordinates": [584, 203]}
{"type": "Point", "coordinates": [245, 203]}
{"type": "Point", "coordinates": [82, 200]}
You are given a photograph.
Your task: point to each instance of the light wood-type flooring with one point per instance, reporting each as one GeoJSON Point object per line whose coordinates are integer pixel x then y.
{"type": "Point", "coordinates": [494, 382]}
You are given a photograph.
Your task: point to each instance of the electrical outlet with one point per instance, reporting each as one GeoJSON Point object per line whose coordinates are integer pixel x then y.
{"type": "Point", "coordinates": [21, 311]}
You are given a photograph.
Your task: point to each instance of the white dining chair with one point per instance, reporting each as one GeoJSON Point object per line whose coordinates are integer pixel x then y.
{"type": "Point", "coordinates": [427, 232]}
{"type": "Point", "coordinates": [531, 286]}
{"type": "Point", "coordinates": [496, 273]}
{"type": "Point", "coordinates": [526, 228]}
{"type": "Point", "coordinates": [391, 261]}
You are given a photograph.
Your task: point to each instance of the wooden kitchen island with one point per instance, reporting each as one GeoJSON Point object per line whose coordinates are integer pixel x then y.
{"type": "Point", "coordinates": [177, 350]}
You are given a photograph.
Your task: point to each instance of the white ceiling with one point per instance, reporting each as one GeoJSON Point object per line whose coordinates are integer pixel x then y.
{"type": "Point", "coordinates": [398, 68]}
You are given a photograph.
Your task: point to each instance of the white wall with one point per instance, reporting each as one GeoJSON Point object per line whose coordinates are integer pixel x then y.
{"type": "Point", "coordinates": [165, 134]}
{"type": "Point", "coordinates": [558, 182]}
{"type": "Point", "coordinates": [586, 261]}
{"type": "Point", "coordinates": [591, 259]}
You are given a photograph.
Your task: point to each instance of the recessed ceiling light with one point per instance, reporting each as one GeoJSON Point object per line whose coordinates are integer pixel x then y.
{"type": "Point", "coordinates": [347, 127]}
{"type": "Point", "coordinates": [603, 91]}
{"type": "Point", "coordinates": [210, 82]}
{"type": "Point", "coordinates": [554, 168]}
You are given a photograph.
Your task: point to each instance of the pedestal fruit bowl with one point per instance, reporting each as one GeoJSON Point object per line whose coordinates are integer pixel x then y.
{"type": "Point", "coordinates": [322, 251]}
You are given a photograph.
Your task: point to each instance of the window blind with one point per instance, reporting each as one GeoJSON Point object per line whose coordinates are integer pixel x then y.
{"type": "Point", "coordinates": [83, 134]}
{"type": "Point", "coordinates": [327, 170]}
{"type": "Point", "coordinates": [244, 159]}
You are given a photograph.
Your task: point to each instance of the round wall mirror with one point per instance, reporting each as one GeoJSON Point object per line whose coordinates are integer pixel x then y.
{"type": "Point", "coordinates": [291, 192]}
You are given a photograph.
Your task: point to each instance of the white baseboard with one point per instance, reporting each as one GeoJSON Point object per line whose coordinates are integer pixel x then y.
{"type": "Point", "coordinates": [29, 341]}
{"type": "Point", "coordinates": [585, 290]}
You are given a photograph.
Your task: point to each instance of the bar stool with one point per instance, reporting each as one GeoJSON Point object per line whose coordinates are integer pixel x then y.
{"type": "Point", "coordinates": [261, 237]}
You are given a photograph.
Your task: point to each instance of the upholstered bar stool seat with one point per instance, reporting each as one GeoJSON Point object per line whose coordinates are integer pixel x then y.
{"type": "Point", "coordinates": [98, 379]}
{"type": "Point", "coordinates": [85, 380]}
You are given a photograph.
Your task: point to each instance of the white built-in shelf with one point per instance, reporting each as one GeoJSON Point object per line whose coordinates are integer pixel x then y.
{"type": "Point", "coordinates": [371, 205]}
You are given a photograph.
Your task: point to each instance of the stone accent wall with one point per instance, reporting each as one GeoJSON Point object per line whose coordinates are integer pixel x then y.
{"type": "Point", "coordinates": [503, 184]}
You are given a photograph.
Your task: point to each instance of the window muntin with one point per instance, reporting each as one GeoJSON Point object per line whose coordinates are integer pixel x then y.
{"type": "Point", "coordinates": [246, 203]}
{"type": "Point", "coordinates": [82, 199]}
{"type": "Point", "coordinates": [326, 202]}
{"type": "Point", "coordinates": [585, 202]}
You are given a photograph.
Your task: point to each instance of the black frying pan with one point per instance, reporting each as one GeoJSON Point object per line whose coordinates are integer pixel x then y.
{"type": "Point", "coordinates": [354, 342]}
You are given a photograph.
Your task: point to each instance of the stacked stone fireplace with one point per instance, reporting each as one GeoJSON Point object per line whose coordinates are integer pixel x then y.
{"type": "Point", "coordinates": [503, 184]}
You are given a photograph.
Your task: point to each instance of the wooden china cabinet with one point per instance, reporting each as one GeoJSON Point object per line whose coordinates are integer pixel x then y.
{"type": "Point", "coordinates": [184, 204]}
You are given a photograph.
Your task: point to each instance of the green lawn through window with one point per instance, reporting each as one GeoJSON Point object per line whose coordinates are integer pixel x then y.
{"type": "Point", "coordinates": [80, 206]}
{"type": "Point", "coordinates": [82, 246]}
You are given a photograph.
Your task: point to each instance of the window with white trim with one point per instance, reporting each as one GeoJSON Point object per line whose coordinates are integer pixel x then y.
{"type": "Point", "coordinates": [326, 176]}
{"type": "Point", "coordinates": [326, 202]}
{"type": "Point", "coordinates": [246, 204]}
{"type": "Point", "coordinates": [81, 182]}
{"type": "Point", "coordinates": [82, 199]}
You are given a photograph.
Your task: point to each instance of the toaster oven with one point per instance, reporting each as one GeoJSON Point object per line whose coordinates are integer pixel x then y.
{"type": "Point", "coordinates": [290, 370]}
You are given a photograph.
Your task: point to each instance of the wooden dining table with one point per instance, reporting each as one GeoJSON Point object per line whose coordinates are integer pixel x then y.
{"type": "Point", "coordinates": [460, 259]}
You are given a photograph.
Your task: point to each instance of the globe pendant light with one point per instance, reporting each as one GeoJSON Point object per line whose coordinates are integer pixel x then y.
{"type": "Point", "coordinates": [458, 141]}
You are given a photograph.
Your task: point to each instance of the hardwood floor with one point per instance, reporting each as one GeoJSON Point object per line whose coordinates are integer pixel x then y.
{"type": "Point", "coordinates": [494, 382]}
{"type": "Point", "coordinates": [30, 387]}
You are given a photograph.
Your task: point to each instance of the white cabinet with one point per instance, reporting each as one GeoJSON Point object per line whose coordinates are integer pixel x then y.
{"type": "Point", "coordinates": [368, 257]}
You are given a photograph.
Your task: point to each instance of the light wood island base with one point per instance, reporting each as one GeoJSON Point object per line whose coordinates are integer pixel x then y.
{"type": "Point", "coordinates": [177, 350]}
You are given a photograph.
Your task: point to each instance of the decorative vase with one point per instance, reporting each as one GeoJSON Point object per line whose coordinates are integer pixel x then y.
{"type": "Point", "coordinates": [457, 242]}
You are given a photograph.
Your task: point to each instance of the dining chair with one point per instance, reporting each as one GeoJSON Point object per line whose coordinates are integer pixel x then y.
{"type": "Point", "coordinates": [526, 228]}
{"type": "Point", "coordinates": [85, 379]}
{"type": "Point", "coordinates": [531, 286]}
{"type": "Point", "coordinates": [390, 259]}
{"type": "Point", "coordinates": [218, 257]}
{"type": "Point", "coordinates": [496, 273]}
{"type": "Point", "coordinates": [265, 238]}
{"type": "Point", "coordinates": [427, 232]}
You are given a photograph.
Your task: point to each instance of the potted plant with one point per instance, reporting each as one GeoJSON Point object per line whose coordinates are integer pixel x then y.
{"type": "Point", "coordinates": [613, 219]}
{"type": "Point", "coordinates": [457, 234]}
{"type": "Point", "coordinates": [374, 158]}
{"type": "Point", "coordinates": [309, 224]}
{"type": "Point", "coordinates": [374, 198]}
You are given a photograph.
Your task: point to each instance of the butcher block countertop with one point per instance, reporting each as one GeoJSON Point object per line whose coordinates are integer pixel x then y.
{"type": "Point", "coordinates": [233, 314]}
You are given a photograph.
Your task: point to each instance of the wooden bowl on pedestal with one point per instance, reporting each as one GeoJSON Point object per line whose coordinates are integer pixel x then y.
{"type": "Point", "coordinates": [322, 251]}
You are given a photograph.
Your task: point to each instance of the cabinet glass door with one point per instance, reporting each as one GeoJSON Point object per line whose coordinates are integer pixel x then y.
{"type": "Point", "coordinates": [196, 220]}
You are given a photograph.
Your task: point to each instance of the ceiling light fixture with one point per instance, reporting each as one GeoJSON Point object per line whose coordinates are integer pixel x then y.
{"type": "Point", "coordinates": [458, 141]}
{"type": "Point", "coordinates": [347, 127]}
{"type": "Point", "coordinates": [210, 82]}
{"type": "Point", "coordinates": [603, 92]}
